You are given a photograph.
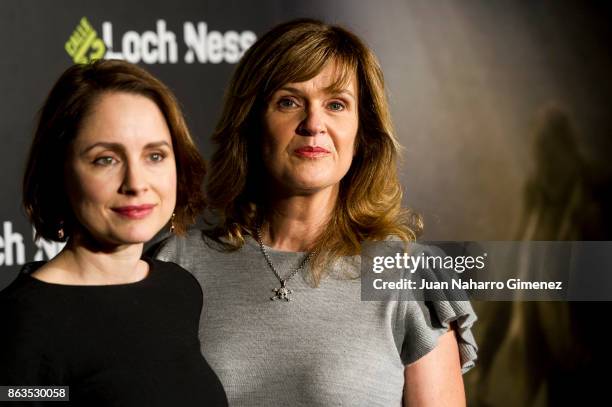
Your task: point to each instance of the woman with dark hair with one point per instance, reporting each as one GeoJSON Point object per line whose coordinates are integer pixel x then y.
{"type": "Point", "coordinates": [112, 162]}
{"type": "Point", "coordinates": [304, 171]}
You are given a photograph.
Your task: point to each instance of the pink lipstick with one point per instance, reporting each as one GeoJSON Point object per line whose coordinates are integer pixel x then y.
{"type": "Point", "coordinates": [311, 152]}
{"type": "Point", "coordinates": [134, 211]}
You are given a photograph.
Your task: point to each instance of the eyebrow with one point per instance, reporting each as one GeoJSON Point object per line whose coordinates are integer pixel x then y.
{"type": "Point", "coordinates": [119, 146]}
{"type": "Point", "coordinates": [333, 92]}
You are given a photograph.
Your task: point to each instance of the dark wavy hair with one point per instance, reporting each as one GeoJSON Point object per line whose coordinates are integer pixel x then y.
{"type": "Point", "coordinates": [71, 99]}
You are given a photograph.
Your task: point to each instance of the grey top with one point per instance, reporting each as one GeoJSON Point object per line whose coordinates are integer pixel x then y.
{"type": "Point", "coordinates": [325, 347]}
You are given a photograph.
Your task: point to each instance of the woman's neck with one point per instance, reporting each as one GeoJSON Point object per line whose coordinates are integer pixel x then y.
{"type": "Point", "coordinates": [84, 264]}
{"type": "Point", "coordinates": [294, 223]}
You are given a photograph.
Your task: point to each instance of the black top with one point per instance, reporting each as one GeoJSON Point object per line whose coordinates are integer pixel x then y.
{"type": "Point", "coordinates": [116, 345]}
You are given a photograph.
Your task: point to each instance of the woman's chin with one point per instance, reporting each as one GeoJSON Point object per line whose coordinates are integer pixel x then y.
{"type": "Point", "coordinates": [135, 237]}
{"type": "Point", "coordinates": [123, 238]}
{"type": "Point", "coordinates": [309, 185]}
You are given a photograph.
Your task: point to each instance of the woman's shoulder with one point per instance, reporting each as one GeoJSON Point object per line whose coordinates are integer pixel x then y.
{"type": "Point", "coordinates": [27, 305]}
{"type": "Point", "coordinates": [172, 277]}
{"type": "Point", "coordinates": [24, 287]}
{"type": "Point", "coordinates": [172, 246]}
{"type": "Point", "coordinates": [422, 323]}
{"type": "Point", "coordinates": [392, 245]}
{"type": "Point", "coordinates": [440, 309]}
{"type": "Point", "coordinates": [195, 247]}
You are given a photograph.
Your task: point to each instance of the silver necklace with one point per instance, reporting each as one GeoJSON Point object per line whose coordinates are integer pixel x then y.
{"type": "Point", "coordinates": [281, 293]}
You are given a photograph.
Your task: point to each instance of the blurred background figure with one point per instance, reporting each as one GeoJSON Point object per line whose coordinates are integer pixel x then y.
{"type": "Point", "coordinates": [560, 199]}
{"type": "Point", "coordinates": [549, 353]}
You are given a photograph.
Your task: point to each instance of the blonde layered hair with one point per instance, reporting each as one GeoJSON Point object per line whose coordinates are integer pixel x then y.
{"type": "Point", "coordinates": [369, 200]}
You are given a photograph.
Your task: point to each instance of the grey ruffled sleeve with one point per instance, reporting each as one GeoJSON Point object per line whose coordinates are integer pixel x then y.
{"type": "Point", "coordinates": [426, 321]}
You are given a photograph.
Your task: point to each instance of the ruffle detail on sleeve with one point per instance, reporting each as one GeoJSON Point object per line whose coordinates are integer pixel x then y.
{"type": "Point", "coordinates": [426, 321]}
{"type": "Point", "coordinates": [433, 316]}
{"type": "Point", "coordinates": [462, 313]}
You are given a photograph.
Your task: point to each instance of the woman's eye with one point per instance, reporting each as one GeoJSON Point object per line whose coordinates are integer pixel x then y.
{"type": "Point", "coordinates": [104, 161]}
{"type": "Point", "coordinates": [156, 157]}
{"type": "Point", "coordinates": [286, 103]}
{"type": "Point", "coordinates": [336, 106]}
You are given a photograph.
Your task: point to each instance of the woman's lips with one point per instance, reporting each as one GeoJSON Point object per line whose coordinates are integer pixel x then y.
{"type": "Point", "coordinates": [311, 151]}
{"type": "Point", "coordinates": [134, 211]}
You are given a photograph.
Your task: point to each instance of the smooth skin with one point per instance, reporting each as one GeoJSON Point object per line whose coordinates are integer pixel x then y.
{"type": "Point", "coordinates": [435, 379]}
{"type": "Point", "coordinates": [121, 158]}
{"type": "Point", "coordinates": [303, 192]}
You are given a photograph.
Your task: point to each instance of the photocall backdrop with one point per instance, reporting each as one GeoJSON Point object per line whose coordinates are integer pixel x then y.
{"type": "Point", "coordinates": [466, 82]}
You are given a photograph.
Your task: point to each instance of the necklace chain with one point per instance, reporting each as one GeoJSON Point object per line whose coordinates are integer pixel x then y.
{"type": "Point", "coordinates": [282, 292]}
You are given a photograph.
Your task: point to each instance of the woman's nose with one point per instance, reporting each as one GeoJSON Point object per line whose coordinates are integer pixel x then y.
{"type": "Point", "coordinates": [134, 180]}
{"type": "Point", "coordinates": [313, 123]}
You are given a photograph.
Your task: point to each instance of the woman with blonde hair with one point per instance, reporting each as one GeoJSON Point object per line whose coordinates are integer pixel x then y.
{"type": "Point", "coordinates": [304, 171]}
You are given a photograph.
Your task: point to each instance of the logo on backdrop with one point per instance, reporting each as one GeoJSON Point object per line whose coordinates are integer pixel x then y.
{"type": "Point", "coordinates": [158, 46]}
{"type": "Point", "coordinates": [13, 250]}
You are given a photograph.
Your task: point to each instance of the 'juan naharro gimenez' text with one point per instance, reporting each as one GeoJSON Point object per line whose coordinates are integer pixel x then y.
{"type": "Point", "coordinates": [470, 284]}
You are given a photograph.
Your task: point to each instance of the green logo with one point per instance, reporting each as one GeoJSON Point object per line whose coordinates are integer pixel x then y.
{"type": "Point", "coordinates": [84, 45]}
